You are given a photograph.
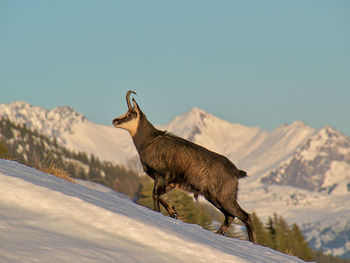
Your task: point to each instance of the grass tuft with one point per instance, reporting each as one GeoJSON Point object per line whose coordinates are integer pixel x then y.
{"type": "Point", "coordinates": [50, 167]}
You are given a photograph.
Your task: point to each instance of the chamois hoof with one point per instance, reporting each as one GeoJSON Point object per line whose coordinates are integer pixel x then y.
{"type": "Point", "coordinates": [220, 232]}
{"type": "Point", "coordinates": [174, 215]}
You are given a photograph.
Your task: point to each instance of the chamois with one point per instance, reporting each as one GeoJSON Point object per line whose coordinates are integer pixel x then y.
{"type": "Point", "coordinates": [173, 161]}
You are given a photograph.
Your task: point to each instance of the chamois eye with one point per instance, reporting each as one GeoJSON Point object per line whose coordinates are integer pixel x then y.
{"type": "Point", "coordinates": [131, 114]}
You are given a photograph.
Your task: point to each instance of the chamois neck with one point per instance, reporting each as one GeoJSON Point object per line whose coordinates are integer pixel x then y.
{"type": "Point", "coordinates": [145, 132]}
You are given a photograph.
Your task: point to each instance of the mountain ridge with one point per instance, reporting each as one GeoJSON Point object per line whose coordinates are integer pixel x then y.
{"type": "Point", "coordinates": [252, 148]}
{"type": "Point", "coordinates": [54, 122]}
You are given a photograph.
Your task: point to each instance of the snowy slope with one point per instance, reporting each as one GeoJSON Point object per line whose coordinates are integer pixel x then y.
{"type": "Point", "coordinates": [46, 219]}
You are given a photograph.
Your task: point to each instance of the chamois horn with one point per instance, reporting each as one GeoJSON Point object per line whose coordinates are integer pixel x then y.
{"type": "Point", "coordinates": [128, 98]}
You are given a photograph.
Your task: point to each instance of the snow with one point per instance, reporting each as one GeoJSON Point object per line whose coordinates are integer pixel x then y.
{"type": "Point", "coordinates": [53, 122]}
{"type": "Point", "coordinates": [335, 176]}
{"type": "Point", "coordinates": [107, 143]}
{"type": "Point", "coordinates": [47, 219]}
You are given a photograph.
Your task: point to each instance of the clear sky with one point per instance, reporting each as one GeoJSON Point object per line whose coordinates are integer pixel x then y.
{"type": "Point", "coordinates": [258, 63]}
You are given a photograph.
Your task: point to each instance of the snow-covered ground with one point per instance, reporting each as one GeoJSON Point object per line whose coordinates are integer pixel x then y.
{"type": "Point", "coordinates": [47, 219]}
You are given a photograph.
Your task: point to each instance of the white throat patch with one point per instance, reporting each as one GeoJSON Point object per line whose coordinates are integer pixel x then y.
{"type": "Point", "coordinates": [130, 126]}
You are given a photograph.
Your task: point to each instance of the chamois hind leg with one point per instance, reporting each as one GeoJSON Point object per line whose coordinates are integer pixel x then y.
{"type": "Point", "coordinates": [170, 208]}
{"type": "Point", "coordinates": [226, 224]}
{"type": "Point", "coordinates": [235, 210]}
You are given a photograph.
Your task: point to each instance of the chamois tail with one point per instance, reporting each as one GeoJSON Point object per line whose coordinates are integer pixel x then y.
{"type": "Point", "coordinates": [242, 174]}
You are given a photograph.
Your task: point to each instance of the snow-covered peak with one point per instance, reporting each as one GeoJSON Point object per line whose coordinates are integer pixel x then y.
{"type": "Point", "coordinates": [197, 114]}
{"type": "Point", "coordinates": [23, 111]}
{"type": "Point", "coordinates": [298, 124]}
{"type": "Point", "coordinates": [212, 132]}
{"type": "Point", "coordinates": [330, 132]}
{"type": "Point", "coordinates": [294, 127]}
{"type": "Point", "coordinates": [327, 141]}
{"type": "Point", "coordinates": [52, 123]}
{"type": "Point", "coordinates": [321, 163]}
{"type": "Point", "coordinates": [193, 118]}
{"type": "Point", "coordinates": [65, 112]}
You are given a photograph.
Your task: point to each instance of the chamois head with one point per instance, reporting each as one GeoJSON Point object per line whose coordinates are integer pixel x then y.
{"type": "Point", "coordinates": [130, 120]}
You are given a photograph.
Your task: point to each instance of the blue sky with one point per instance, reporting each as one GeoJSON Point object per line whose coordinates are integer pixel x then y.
{"type": "Point", "coordinates": [258, 63]}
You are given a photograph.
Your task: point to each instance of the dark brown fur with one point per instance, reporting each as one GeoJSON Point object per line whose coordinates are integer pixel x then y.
{"type": "Point", "coordinates": [173, 161]}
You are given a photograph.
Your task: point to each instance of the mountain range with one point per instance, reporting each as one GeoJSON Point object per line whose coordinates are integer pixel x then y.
{"type": "Point", "coordinates": [299, 172]}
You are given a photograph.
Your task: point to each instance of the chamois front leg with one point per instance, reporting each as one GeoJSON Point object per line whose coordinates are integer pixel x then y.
{"type": "Point", "coordinates": [158, 190]}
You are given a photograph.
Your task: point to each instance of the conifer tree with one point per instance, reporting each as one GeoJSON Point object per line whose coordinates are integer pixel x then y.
{"type": "Point", "coordinates": [282, 236]}
{"type": "Point", "coordinates": [299, 244]}
{"type": "Point", "coordinates": [262, 234]}
{"type": "Point", "coordinates": [3, 150]}
{"type": "Point", "coordinates": [145, 194]}
{"type": "Point", "coordinates": [272, 232]}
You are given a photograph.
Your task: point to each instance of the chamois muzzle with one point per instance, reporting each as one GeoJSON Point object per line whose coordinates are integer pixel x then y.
{"type": "Point", "coordinates": [115, 122]}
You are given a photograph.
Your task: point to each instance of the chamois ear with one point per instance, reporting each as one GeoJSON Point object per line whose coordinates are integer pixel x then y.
{"type": "Point", "coordinates": [136, 106]}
